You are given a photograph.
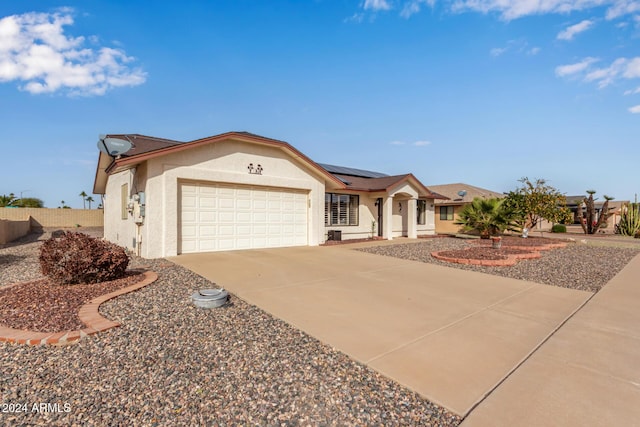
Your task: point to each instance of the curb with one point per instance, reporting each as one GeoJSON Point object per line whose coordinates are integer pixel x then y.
{"type": "Point", "coordinates": [88, 314]}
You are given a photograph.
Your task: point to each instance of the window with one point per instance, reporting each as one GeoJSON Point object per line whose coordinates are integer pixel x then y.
{"type": "Point", "coordinates": [340, 209]}
{"type": "Point", "coordinates": [124, 201]}
{"type": "Point", "coordinates": [422, 212]}
{"type": "Point", "coordinates": [446, 213]}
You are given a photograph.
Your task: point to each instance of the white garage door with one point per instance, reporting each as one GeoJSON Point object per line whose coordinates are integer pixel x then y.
{"type": "Point", "coordinates": [221, 217]}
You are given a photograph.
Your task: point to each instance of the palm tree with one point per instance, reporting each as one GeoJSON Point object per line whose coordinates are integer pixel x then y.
{"type": "Point", "coordinates": [89, 199]}
{"type": "Point", "coordinates": [486, 216]}
{"type": "Point", "coordinates": [84, 198]}
{"type": "Point", "coordinates": [7, 200]}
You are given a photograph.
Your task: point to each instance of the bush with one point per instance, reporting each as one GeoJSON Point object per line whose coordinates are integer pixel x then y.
{"type": "Point", "coordinates": [559, 228]}
{"type": "Point", "coordinates": [72, 258]}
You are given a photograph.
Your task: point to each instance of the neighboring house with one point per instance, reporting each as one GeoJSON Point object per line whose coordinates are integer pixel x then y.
{"type": "Point", "coordinates": [455, 197]}
{"type": "Point", "coordinates": [578, 209]}
{"type": "Point", "coordinates": [241, 191]}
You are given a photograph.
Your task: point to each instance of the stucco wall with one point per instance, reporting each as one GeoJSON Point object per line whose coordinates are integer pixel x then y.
{"type": "Point", "coordinates": [367, 212]}
{"type": "Point", "coordinates": [224, 162]}
{"type": "Point", "coordinates": [12, 229]}
{"type": "Point", "coordinates": [429, 226]}
{"type": "Point", "coordinates": [63, 218]}
{"type": "Point", "coordinates": [447, 226]}
{"type": "Point", "coordinates": [118, 230]}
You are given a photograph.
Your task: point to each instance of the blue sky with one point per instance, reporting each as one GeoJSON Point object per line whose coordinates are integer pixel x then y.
{"type": "Point", "coordinates": [477, 91]}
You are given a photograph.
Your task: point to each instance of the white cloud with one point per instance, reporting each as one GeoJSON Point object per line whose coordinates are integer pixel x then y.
{"type": "Point", "coordinates": [632, 70]}
{"type": "Point", "coordinates": [570, 69]}
{"type": "Point", "coordinates": [514, 9]}
{"type": "Point", "coordinates": [632, 91]}
{"type": "Point", "coordinates": [517, 46]}
{"type": "Point", "coordinates": [621, 68]}
{"type": "Point", "coordinates": [606, 76]}
{"type": "Point", "coordinates": [35, 51]}
{"type": "Point", "coordinates": [376, 5]}
{"type": "Point", "coordinates": [356, 17]}
{"type": "Point", "coordinates": [421, 143]}
{"type": "Point", "coordinates": [635, 110]}
{"type": "Point", "coordinates": [570, 32]}
{"type": "Point", "coordinates": [622, 7]}
{"type": "Point", "coordinates": [414, 6]}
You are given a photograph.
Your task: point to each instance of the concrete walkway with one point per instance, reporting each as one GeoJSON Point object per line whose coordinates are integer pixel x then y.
{"type": "Point", "coordinates": [451, 335]}
{"type": "Point", "coordinates": [587, 374]}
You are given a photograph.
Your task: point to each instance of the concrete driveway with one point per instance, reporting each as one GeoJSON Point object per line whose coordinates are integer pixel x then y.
{"type": "Point", "coordinates": [451, 335]}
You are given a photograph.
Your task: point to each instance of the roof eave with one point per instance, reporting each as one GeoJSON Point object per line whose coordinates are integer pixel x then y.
{"type": "Point", "coordinates": [256, 139]}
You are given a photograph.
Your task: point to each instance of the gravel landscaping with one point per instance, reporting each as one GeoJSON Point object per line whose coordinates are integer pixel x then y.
{"type": "Point", "coordinates": [577, 266]}
{"type": "Point", "coordinates": [171, 363]}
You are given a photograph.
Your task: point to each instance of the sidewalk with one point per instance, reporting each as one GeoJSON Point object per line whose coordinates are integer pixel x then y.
{"type": "Point", "coordinates": [586, 374]}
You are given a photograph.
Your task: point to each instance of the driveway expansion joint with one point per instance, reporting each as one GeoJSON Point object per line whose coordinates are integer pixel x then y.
{"type": "Point", "coordinates": [88, 314]}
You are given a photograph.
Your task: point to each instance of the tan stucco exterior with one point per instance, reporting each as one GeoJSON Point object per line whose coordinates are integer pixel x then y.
{"type": "Point", "coordinates": [448, 226]}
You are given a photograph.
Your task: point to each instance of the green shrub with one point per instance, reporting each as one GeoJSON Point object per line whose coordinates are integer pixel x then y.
{"type": "Point", "coordinates": [559, 228]}
{"type": "Point", "coordinates": [70, 258]}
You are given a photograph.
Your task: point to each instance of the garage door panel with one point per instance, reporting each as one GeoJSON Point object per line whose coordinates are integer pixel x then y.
{"type": "Point", "coordinates": [226, 203]}
{"type": "Point", "coordinates": [243, 204]}
{"type": "Point", "coordinates": [189, 217]}
{"type": "Point", "coordinates": [226, 230]}
{"type": "Point", "coordinates": [243, 230]}
{"type": "Point", "coordinates": [226, 217]}
{"type": "Point", "coordinates": [243, 217]}
{"type": "Point", "coordinates": [207, 216]}
{"type": "Point", "coordinates": [218, 217]}
{"type": "Point", "coordinates": [207, 231]}
{"type": "Point", "coordinates": [189, 201]}
{"type": "Point", "coordinates": [208, 203]}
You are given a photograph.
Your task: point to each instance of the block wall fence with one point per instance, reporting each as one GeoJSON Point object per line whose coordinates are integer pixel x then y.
{"type": "Point", "coordinates": [63, 218]}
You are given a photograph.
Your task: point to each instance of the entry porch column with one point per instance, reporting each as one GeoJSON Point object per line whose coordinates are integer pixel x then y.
{"type": "Point", "coordinates": [412, 219]}
{"type": "Point", "coordinates": [387, 218]}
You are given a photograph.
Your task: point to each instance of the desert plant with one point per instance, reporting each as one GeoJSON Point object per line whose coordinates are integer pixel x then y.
{"type": "Point", "coordinates": [488, 217]}
{"type": "Point", "coordinates": [559, 228]}
{"type": "Point", "coordinates": [74, 258]}
{"type": "Point", "coordinates": [534, 201]}
{"type": "Point", "coordinates": [7, 200]}
{"type": "Point", "coordinates": [590, 225]}
{"type": "Point", "coordinates": [629, 223]}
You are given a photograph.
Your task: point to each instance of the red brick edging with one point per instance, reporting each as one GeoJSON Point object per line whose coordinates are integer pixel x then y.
{"type": "Point", "coordinates": [88, 314]}
{"type": "Point", "coordinates": [511, 259]}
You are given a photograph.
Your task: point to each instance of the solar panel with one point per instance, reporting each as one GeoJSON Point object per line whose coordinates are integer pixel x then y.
{"type": "Point", "coordinates": [342, 170]}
